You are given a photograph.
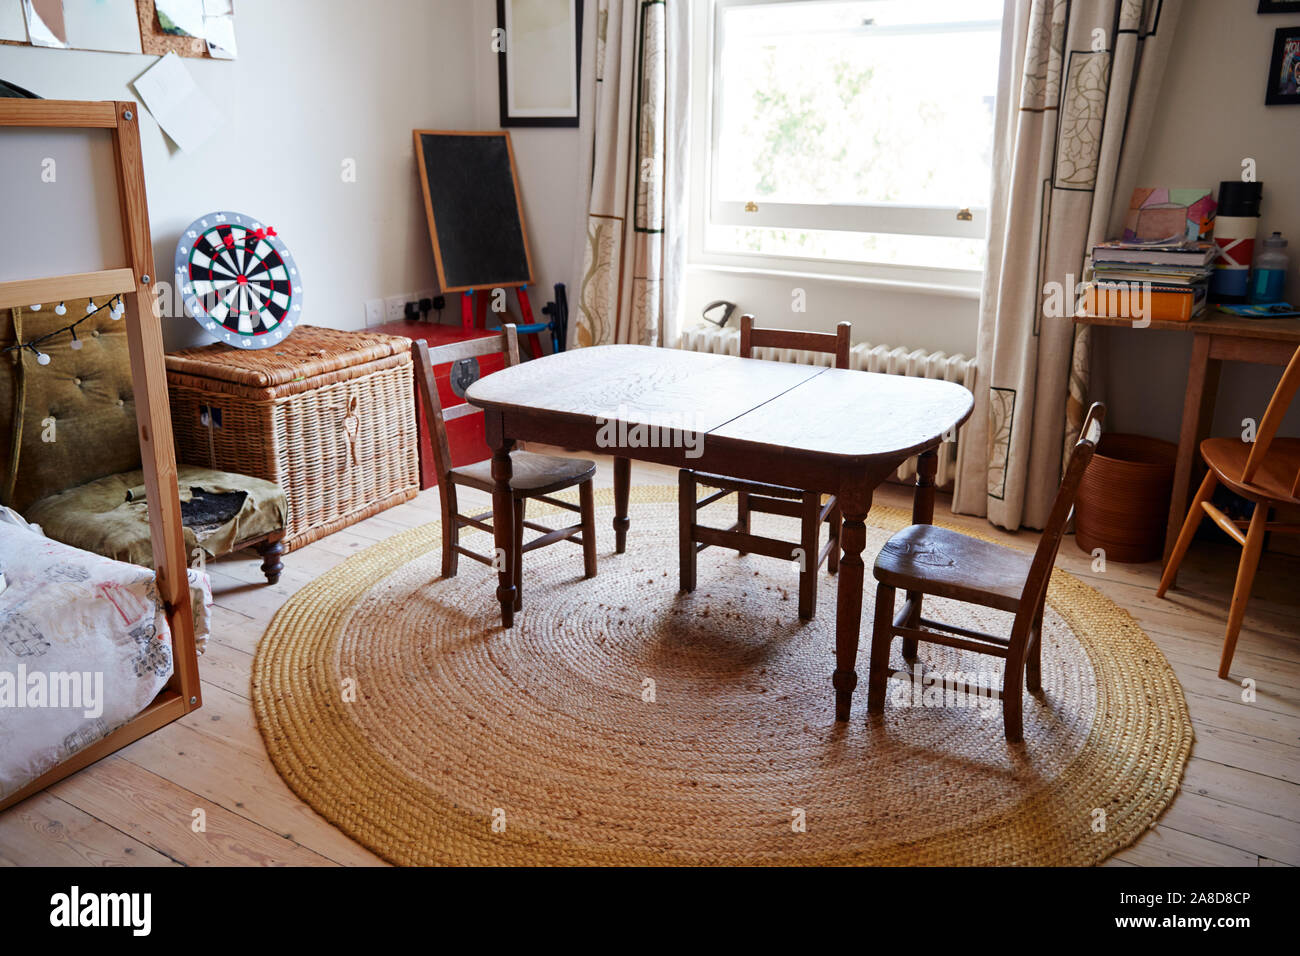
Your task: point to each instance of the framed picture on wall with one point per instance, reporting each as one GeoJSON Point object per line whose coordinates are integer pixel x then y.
{"type": "Point", "coordinates": [1284, 69]}
{"type": "Point", "coordinates": [538, 61]}
{"type": "Point", "coordinates": [1279, 6]}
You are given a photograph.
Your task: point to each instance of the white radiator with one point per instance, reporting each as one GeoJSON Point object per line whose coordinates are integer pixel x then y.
{"type": "Point", "coordinates": [893, 360]}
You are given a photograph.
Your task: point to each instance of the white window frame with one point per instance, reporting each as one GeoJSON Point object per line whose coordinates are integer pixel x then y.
{"type": "Point", "coordinates": [889, 218]}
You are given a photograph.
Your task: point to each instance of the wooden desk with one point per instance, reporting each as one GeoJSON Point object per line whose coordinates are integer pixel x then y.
{"type": "Point", "coordinates": [828, 430]}
{"type": "Point", "coordinates": [1216, 338]}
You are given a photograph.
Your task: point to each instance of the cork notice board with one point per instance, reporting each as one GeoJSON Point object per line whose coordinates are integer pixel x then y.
{"type": "Point", "coordinates": [157, 43]}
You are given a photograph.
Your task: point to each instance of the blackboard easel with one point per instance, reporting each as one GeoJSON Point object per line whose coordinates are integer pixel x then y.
{"type": "Point", "coordinates": [476, 222]}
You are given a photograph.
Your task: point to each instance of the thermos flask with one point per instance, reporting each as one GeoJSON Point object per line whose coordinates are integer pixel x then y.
{"type": "Point", "coordinates": [1234, 235]}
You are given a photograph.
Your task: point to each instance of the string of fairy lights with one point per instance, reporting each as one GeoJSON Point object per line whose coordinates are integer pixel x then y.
{"type": "Point", "coordinates": [115, 307]}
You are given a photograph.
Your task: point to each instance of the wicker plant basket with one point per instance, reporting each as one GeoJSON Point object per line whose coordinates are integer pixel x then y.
{"type": "Point", "coordinates": [1123, 501]}
{"type": "Point", "coordinates": [328, 415]}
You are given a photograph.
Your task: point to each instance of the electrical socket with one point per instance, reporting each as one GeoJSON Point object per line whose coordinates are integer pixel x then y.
{"type": "Point", "coordinates": [425, 294]}
{"type": "Point", "coordinates": [374, 312]}
{"type": "Point", "coordinates": [395, 307]}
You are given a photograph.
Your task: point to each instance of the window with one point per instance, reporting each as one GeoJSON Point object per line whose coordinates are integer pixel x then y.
{"type": "Point", "coordinates": [846, 133]}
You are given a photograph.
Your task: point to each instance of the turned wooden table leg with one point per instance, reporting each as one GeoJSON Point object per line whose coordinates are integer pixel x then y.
{"type": "Point", "coordinates": [622, 488]}
{"type": "Point", "coordinates": [503, 530]}
{"type": "Point", "coordinates": [855, 503]}
{"type": "Point", "coordinates": [927, 465]}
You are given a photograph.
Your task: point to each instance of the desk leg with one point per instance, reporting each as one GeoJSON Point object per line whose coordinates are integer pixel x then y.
{"type": "Point", "coordinates": [855, 502]}
{"type": "Point", "coordinates": [622, 488]}
{"type": "Point", "coordinates": [503, 530]}
{"type": "Point", "coordinates": [1198, 414]}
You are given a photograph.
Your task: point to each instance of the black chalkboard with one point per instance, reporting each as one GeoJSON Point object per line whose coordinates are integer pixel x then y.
{"type": "Point", "coordinates": [471, 198]}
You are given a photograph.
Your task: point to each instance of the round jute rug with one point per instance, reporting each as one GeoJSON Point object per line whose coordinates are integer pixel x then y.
{"type": "Point", "coordinates": [620, 722]}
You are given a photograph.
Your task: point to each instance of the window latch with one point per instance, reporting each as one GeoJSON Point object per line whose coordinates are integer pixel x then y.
{"type": "Point", "coordinates": [964, 215]}
{"type": "Point", "coordinates": [751, 206]}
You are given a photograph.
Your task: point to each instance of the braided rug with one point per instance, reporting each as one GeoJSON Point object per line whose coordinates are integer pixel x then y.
{"type": "Point", "coordinates": [620, 722]}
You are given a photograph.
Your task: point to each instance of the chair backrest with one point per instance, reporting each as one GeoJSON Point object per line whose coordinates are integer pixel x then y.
{"type": "Point", "coordinates": [435, 416]}
{"type": "Point", "coordinates": [1040, 570]}
{"type": "Point", "coordinates": [836, 344]}
{"type": "Point", "coordinates": [1283, 395]}
{"type": "Point", "coordinates": [86, 393]}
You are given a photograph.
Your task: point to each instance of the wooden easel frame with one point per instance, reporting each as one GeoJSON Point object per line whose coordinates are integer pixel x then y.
{"type": "Point", "coordinates": [153, 413]}
{"type": "Point", "coordinates": [422, 170]}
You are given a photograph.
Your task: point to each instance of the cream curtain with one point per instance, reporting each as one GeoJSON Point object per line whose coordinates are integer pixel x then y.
{"type": "Point", "coordinates": [634, 123]}
{"type": "Point", "coordinates": [1078, 87]}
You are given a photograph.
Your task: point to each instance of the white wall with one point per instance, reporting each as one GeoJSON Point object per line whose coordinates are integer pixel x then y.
{"type": "Point", "coordinates": [546, 159]}
{"type": "Point", "coordinates": [316, 82]}
{"type": "Point", "coordinates": [1212, 115]}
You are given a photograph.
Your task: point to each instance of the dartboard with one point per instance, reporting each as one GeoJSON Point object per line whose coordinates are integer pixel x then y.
{"type": "Point", "coordinates": [238, 280]}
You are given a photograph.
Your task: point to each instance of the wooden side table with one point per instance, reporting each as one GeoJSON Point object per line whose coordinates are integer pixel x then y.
{"type": "Point", "coordinates": [1216, 338]}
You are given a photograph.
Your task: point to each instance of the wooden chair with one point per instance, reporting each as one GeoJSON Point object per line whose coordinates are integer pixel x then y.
{"type": "Point", "coordinates": [926, 559]}
{"type": "Point", "coordinates": [754, 496]}
{"type": "Point", "coordinates": [1266, 472]}
{"type": "Point", "coordinates": [535, 476]}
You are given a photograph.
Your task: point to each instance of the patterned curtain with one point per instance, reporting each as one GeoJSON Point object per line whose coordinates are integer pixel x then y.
{"type": "Point", "coordinates": [1078, 87]}
{"type": "Point", "coordinates": [634, 128]}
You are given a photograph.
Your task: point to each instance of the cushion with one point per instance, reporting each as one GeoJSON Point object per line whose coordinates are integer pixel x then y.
{"type": "Point", "coordinates": [76, 414]}
{"type": "Point", "coordinates": [109, 516]}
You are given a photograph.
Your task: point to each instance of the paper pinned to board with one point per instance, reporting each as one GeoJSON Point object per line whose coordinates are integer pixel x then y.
{"type": "Point", "coordinates": [219, 28]}
{"type": "Point", "coordinates": [212, 21]}
{"type": "Point", "coordinates": [109, 25]}
{"type": "Point", "coordinates": [183, 18]}
{"type": "Point", "coordinates": [13, 25]}
{"type": "Point", "coordinates": [45, 25]}
{"type": "Point", "coordinates": [185, 113]}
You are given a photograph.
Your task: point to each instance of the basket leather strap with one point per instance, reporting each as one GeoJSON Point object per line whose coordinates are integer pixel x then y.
{"type": "Point", "coordinates": [352, 429]}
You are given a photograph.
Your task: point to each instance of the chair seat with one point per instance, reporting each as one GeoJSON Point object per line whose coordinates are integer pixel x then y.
{"type": "Point", "coordinates": [1273, 481]}
{"type": "Point", "coordinates": [941, 562]}
{"type": "Point", "coordinates": [532, 474]}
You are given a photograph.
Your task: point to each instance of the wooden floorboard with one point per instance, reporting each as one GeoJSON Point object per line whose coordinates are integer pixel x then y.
{"type": "Point", "coordinates": [1239, 803]}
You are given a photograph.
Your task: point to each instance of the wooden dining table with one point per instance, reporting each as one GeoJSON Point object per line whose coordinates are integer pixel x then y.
{"type": "Point", "coordinates": [820, 429]}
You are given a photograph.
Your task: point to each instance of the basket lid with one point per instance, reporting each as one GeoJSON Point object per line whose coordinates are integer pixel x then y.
{"type": "Point", "coordinates": [311, 350]}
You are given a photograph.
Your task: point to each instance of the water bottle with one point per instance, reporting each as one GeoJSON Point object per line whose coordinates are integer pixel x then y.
{"type": "Point", "coordinates": [1269, 273]}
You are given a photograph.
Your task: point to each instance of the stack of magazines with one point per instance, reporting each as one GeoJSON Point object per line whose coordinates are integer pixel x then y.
{"type": "Point", "coordinates": [1153, 280]}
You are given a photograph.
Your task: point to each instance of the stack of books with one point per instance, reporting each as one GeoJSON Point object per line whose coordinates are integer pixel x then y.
{"type": "Point", "coordinates": [1166, 281]}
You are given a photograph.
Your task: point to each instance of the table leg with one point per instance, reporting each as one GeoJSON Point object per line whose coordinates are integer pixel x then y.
{"type": "Point", "coordinates": [503, 530]}
{"type": "Point", "coordinates": [927, 465]}
{"type": "Point", "coordinates": [622, 488]}
{"type": "Point", "coordinates": [1198, 413]}
{"type": "Point", "coordinates": [855, 503]}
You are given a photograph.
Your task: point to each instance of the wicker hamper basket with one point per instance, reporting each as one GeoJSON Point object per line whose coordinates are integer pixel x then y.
{"type": "Point", "coordinates": [328, 415]}
{"type": "Point", "coordinates": [1123, 502]}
